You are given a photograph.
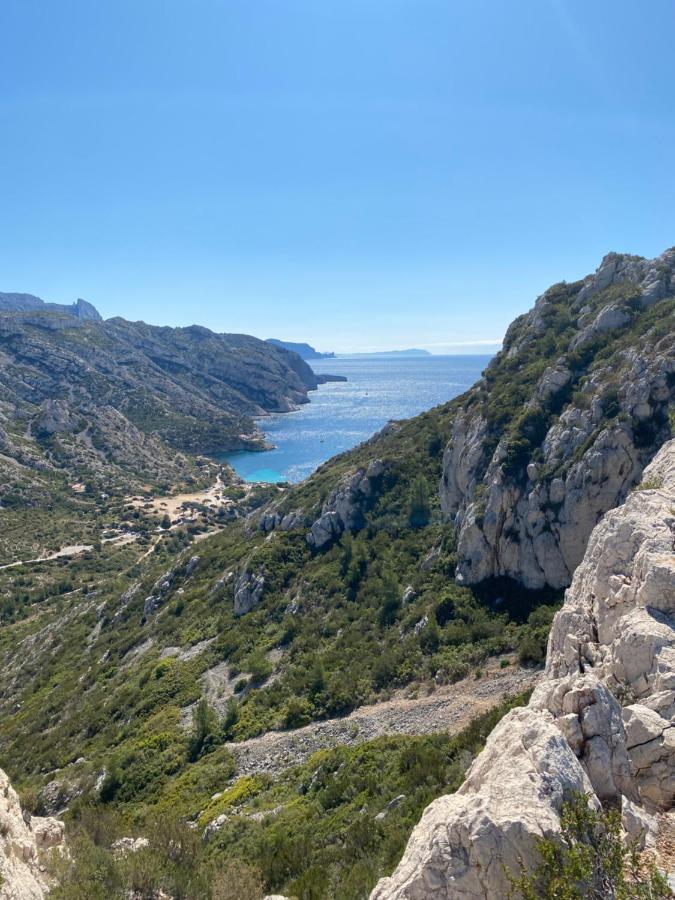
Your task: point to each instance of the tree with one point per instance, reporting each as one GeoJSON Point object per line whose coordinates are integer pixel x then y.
{"type": "Point", "coordinates": [232, 714]}
{"type": "Point", "coordinates": [391, 598]}
{"type": "Point", "coordinates": [419, 508]}
{"type": "Point", "coordinates": [110, 784]}
{"type": "Point", "coordinates": [204, 727]}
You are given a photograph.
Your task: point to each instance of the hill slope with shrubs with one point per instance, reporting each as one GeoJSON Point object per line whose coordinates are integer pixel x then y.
{"type": "Point", "coordinates": [403, 562]}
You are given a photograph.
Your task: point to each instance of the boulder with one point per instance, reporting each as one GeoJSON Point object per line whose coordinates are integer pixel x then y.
{"type": "Point", "coordinates": [345, 508]}
{"type": "Point", "coordinates": [512, 795]}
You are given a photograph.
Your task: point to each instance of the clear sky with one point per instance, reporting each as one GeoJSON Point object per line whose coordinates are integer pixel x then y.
{"type": "Point", "coordinates": [361, 174]}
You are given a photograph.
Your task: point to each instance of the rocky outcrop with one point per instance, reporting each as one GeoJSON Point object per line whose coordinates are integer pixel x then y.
{"type": "Point", "coordinates": [273, 519]}
{"type": "Point", "coordinates": [166, 583]}
{"type": "Point", "coordinates": [344, 510]}
{"type": "Point", "coordinates": [525, 487]}
{"type": "Point", "coordinates": [248, 591]}
{"type": "Point", "coordinates": [24, 840]}
{"type": "Point", "coordinates": [81, 309]}
{"type": "Point", "coordinates": [602, 721]}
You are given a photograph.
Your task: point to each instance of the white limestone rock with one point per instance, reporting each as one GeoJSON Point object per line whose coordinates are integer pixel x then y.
{"type": "Point", "coordinates": [534, 526]}
{"type": "Point", "coordinates": [23, 841]}
{"type": "Point", "coordinates": [511, 797]}
{"type": "Point", "coordinates": [248, 591]}
{"type": "Point", "coordinates": [345, 508]}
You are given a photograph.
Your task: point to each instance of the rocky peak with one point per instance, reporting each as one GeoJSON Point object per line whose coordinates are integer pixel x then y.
{"type": "Point", "coordinates": [80, 309]}
{"type": "Point", "coordinates": [563, 422]}
{"type": "Point", "coordinates": [86, 311]}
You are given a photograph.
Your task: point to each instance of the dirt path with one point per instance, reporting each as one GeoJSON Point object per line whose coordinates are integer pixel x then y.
{"type": "Point", "coordinates": [74, 550]}
{"type": "Point", "coordinates": [449, 708]}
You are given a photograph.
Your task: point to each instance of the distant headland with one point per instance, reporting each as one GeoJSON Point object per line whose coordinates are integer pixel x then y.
{"type": "Point", "coordinates": [395, 353]}
{"type": "Point", "coordinates": [304, 351]}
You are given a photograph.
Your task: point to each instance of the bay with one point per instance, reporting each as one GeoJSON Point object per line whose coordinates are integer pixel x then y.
{"type": "Point", "coordinates": [342, 414]}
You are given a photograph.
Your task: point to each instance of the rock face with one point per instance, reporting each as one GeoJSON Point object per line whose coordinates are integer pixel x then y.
{"type": "Point", "coordinates": [546, 444]}
{"type": "Point", "coordinates": [166, 583]}
{"type": "Point", "coordinates": [602, 721]}
{"type": "Point", "coordinates": [344, 509]}
{"type": "Point", "coordinates": [22, 844]}
{"type": "Point", "coordinates": [248, 591]}
{"type": "Point", "coordinates": [81, 309]}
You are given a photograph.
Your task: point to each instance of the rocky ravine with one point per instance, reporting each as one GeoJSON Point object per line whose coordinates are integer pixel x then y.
{"type": "Point", "coordinates": [602, 721]}
{"type": "Point", "coordinates": [24, 840]}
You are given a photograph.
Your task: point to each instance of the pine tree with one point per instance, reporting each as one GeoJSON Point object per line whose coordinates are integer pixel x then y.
{"type": "Point", "coordinates": [419, 508]}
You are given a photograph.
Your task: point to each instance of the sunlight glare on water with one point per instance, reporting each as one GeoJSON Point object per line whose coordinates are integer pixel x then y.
{"type": "Point", "coordinates": [342, 414]}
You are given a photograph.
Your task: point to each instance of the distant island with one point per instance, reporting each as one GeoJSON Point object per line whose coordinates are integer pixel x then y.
{"type": "Point", "coordinates": [304, 351]}
{"type": "Point", "coordinates": [396, 353]}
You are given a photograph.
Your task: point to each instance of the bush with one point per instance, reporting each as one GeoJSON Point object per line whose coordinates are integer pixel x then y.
{"type": "Point", "coordinates": [258, 666]}
{"type": "Point", "coordinates": [236, 880]}
{"type": "Point", "coordinates": [591, 861]}
{"type": "Point", "coordinates": [296, 713]}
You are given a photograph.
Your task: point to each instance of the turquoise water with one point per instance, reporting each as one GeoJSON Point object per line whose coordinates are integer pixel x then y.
{"type": "Point", "coordinates": [342, 414]}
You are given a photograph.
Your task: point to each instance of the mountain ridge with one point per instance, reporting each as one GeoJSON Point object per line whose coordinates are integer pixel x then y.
{"type": "Point", "coordinates": [80, 309]}
{"type": "Point", "coordinates": [116, 406]}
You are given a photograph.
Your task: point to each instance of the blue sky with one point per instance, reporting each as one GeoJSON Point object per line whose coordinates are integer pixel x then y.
{"type": "Point", "coordinates": [362, 174]}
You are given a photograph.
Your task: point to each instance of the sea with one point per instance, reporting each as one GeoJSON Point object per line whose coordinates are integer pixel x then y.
{"type": "Point", "coordinates": [341, 415]}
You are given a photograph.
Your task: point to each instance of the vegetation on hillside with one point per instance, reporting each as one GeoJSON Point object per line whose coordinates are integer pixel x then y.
{"type": "Point", "coordinates": [590, 861]}
{"type": "Point", "coordinates": [327, 829]}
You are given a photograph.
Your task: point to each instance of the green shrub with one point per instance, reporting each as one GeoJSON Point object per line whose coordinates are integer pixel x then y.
{"type": "Point", "coordinates": [588, 861]}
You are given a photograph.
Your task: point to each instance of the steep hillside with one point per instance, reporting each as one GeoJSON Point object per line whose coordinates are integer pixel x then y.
{"type": "Point", "coordinates": [119, 406]}
{"type": "Point", "coordinates": [556, 432]}
{"type": "Point", "coordinates": [601, 723]}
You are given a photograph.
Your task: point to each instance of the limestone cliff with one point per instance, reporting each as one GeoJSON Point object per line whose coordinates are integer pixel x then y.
{"type": "Point", "coordinates": [24, 840]}
{"type": "Point", "coordinates": [563, 422]}
{"type": "Point", "coordinates": [602, 720]}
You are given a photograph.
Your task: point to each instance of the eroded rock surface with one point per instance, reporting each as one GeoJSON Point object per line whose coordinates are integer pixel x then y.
{"type": "Point", "coordinates": [345, 508]}
{"type": "Point", "coordinates": [602, 721]}
{"type": "Point", "coordinates": [248, 591]}
{"type": "Point", "coordinates": [23, 841]}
